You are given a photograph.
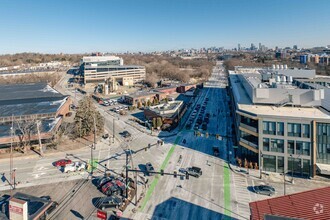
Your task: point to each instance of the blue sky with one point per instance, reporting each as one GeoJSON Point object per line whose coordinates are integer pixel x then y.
{"type": "Point", "coordinates": [77, 26]}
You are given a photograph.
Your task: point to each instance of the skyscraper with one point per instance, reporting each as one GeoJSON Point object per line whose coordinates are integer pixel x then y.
{"type": "Point", "coordinates": [239, 47]}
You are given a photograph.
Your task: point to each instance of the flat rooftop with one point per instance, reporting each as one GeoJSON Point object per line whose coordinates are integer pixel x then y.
{"type": "Point", "coordinates": [36, 205]}
{"type": "Point", "coordinates": [245, 105]}
{"type": "Point", "coordinates": [29, 99]}
{"type": "Point", "coordinates": [17, 93]}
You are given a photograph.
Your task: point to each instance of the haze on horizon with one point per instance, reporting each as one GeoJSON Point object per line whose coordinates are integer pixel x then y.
{"type": "Point", "coordinates": [128, 25]}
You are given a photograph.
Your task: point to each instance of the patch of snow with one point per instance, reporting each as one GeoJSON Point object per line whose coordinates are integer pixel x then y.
{"type": "Point", "coordinates": [49, 89]}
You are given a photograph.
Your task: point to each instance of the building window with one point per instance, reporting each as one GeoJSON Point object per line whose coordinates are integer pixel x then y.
{"type": "Point", "coordinates": [306, 167]}
{"type": "Point", "coordinates": [306, 131]}
{"type": "Point", "coordinates": [277, 145]}
{"type": "Point", "coordinates": [269, 163]}
{"type": "Point", "coordinates": [266, 144]}
{"type": "Point", "coordinates": [294, 130]}
{"type": "Point", "coordinates": [290, 147]}
{"type": "Point", "coordinates": [280, 164]}
{"type": "Point", "coordinates": [269, 127]}
{"type": "Point", "coordinates": [299, 147]}
{"type": "Point", "coordinates": [280, 128]}
{"type": "Point", "coordinates": [303, 147]}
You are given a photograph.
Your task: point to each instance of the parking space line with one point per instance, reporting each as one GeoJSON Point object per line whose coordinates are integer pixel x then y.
{"type": "Point", "coordinates": [155, 181]}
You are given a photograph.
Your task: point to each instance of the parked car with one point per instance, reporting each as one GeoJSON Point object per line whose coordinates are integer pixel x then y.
{"type": "Point", "coordinates": [150, 168]}
{"type": "Point", "coordinates": [109, 202]}
{"type": "Point", "coordinates": [194, 171]}
{"type": "Point", "coordinates": [204, 126]}
{"type": "Point", "coordinates": [264, 190]}
{"type": "Point", "coordinates": [104, 180]}
{"type": "Point", "coordinates": [110, 188]}
{"type": "Point", "coordinates": [75, 166]}
{"type": "Point", "coordinates": [62, 163]}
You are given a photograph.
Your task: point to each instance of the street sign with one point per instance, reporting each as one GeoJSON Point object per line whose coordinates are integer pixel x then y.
{"type": "Point", "coordinates": [101, 215]}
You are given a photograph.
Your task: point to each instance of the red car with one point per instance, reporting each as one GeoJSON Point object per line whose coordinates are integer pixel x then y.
{"type": "Point", "coordinates": [62, 163]}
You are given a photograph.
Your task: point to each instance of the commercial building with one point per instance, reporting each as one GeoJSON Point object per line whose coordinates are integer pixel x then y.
{"type": "Point", "coordinates": [26, 106]}
{"type": "Point", "coordinates": [26, 207]}
{"type": "Point", "coordinates": [101, 69]}
{"type": "Point", "coordinates": [143, 97]}
{"type": "Point", "coordinates": [282, 120]}
{"type": "Point", "coordinates": [312, 204]}
{"type": "Point", "coordinates": [170, 113]}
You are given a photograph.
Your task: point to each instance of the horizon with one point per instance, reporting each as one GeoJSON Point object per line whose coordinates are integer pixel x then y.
{"type": "Point", "coordinates": [145, 26]}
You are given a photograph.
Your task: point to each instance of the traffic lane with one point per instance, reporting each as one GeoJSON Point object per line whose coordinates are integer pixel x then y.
{"type": "Point", "coordinates": [192, 200]}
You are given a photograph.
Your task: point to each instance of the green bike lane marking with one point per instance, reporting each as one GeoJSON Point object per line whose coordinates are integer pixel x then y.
{"type": "Point", "coordinates": [226, 186]}
{"type": "Point", "coordinates": [156, 179]}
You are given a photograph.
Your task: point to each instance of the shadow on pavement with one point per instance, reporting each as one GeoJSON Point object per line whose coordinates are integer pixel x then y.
{"type": "Point", "coordinates": [177, 209]}
{"type": "Point", "coordinates": [77, 214]}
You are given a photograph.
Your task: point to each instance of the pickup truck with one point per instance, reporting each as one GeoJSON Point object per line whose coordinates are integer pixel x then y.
{"type": "Point", "coordinates": [75, 166]}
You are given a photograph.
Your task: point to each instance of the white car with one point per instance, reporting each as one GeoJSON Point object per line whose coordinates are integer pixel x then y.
{"type": "Point", "coordinates": [75, 166]}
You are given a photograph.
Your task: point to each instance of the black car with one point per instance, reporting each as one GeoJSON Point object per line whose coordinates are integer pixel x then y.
{"type": "Point", "coordinates": [204, 126]}
{"type": "Point", "coordinates": [126, 134]}
{"type": "Point", "coordinates": [194, 171]}
{"type": "Point", "coordinates": [150, 168]}
{"type": "Point", "coordinates": [110, 201]}
{"type": "Point", "coordinates": [264, 190]}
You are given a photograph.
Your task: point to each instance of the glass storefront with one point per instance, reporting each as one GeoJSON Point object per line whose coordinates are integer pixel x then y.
{"type": "Point", "coordinates": [280, 164]}
{"type": "Point", "coordinates": [323, 143]}
{"type": "Point", "coordinates": [269, 163]}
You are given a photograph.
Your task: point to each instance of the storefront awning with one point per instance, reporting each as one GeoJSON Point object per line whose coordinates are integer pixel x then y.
{"type": "Point", "coordinates": [323, 168]}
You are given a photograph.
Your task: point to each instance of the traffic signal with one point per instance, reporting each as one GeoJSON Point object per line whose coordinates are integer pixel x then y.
{"type": "Point", "coordinates": [175, 174]}
{"type": "Point", "coordinates": [145, 149]}
{"type": "Point", "coordinates": [149, 146]}
{"type": "Point", "coordinates": [161, 142]}
{"type": "Point", "coordinates": [187, 176]}
{"type": "Point", "coordinates": [162, 172]}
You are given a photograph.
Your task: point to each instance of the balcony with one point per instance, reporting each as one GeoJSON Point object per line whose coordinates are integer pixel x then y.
{"type": "Point", "coordinates": [248, 127]}
{"type": "Point", "coordinates": [249, 143]}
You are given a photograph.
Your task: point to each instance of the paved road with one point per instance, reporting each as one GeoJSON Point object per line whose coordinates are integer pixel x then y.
{"type": "Point", "coordinates": [207, 197]}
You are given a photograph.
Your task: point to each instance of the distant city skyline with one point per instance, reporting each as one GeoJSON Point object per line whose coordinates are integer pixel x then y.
{"type": "Point", "coordinates": [128, 25]}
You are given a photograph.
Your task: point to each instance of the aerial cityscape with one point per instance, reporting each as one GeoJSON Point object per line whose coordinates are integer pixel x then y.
{"type": "Point", "coordinates": [154, 110]}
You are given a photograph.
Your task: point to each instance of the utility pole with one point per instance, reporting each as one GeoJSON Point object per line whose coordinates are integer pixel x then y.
{"type": "Point", "coordinates": [93, 145]}
{"type": "Point", "coordinates": [40, 144]}
{"type": "Point", "coordinates": [126, 175]}
{"type": "Point", "coordinates": [113, 130]}
{"type": "Point", "coordinates": [11, 155]}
